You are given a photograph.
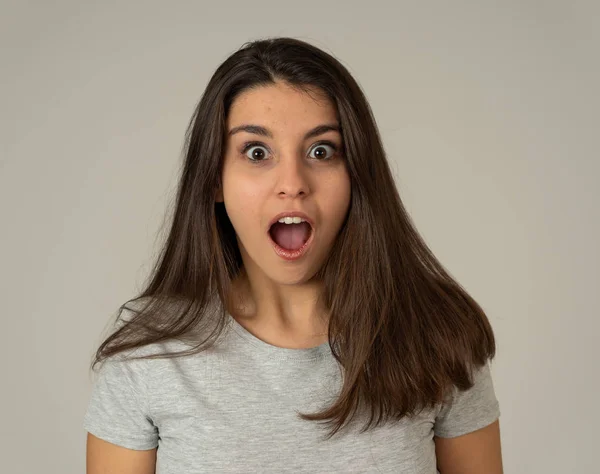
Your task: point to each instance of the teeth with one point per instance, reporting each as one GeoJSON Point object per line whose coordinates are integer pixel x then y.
{"type": "Point", "coordinates": [291, 220]}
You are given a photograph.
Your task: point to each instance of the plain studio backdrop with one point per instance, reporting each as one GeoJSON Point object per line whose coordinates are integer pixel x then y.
{"type": "Point", "coordinates": [489, 112]}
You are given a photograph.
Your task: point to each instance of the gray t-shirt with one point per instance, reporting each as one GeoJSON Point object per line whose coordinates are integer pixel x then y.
{"type": "Point", "coordinates": [233, 409]}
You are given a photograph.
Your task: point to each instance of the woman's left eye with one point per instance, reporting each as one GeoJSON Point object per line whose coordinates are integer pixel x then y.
{"type": "Point", "coordinates": [323, 154]}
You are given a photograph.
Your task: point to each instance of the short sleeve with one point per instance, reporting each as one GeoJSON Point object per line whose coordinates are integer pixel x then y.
{"type": "Point", "coordinates": [469, 410]}
{"type": "Point", "coordinates": [117, 411]}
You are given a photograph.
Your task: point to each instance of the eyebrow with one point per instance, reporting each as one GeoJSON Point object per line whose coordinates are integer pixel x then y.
{"type": "Point", "coordinates": [259, 130]}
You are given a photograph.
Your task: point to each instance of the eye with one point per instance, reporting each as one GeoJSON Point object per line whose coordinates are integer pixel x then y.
{"type": "Point", "coordinates": [322, 155]}
{"type": "Point", "coordinates": [255, 155]}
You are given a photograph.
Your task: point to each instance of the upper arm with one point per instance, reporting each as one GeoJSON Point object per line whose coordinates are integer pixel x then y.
{"type": "Point", "coordinates": [473, 453]}
{"type": "Point", "coordinates": [122, 436]}
{"type": "Point", "coordinates": [467, 429]}
{"type": "Point", "coordinates": [103, 457]}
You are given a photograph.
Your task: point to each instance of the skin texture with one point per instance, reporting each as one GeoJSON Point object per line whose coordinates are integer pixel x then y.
{"type": "Point", "coordinates": [106, 458]}
{"type": "Point", "coordinates": [277, 298]}
{"type": "Point", "coordinates": [478, 452]}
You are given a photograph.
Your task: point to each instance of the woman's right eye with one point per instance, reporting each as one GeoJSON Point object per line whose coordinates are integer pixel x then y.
{"type": "Point", "coordinates": [255, 154]}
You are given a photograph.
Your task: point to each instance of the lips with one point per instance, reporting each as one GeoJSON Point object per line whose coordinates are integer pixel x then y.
{"type": "Point", "coordinates": [289, 254]}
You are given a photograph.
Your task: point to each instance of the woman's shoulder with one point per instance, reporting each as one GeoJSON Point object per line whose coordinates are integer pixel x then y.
{"type": "Point", "coordinates": [185, 343]}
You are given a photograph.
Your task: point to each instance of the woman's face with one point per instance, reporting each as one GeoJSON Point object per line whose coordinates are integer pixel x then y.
{"type": "Point", "coordinates": [290, 172]}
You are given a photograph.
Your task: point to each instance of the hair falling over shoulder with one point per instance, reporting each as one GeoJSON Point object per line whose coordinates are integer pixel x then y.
{"type": "Point", "coordinates": [403, 330]}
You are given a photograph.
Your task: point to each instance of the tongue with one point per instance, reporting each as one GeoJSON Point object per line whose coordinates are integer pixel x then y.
{"type": "Point", "coordinates": [290, 236]}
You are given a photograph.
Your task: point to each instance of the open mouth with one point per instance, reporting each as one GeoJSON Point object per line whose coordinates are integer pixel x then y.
{"type": "Point", "coordinates": [290, 237]}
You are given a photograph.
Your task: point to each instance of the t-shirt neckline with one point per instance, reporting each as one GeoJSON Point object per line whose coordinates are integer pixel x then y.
{"type": "Point", "coordinates": [276, 352]}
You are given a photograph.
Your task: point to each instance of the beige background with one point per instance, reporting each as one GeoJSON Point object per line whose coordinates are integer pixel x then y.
{"type": "Point", "coordinates": [489, 112]}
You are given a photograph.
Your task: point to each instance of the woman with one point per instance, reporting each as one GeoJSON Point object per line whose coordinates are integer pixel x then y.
{"type": "Point", "coordinates": [295, 320]}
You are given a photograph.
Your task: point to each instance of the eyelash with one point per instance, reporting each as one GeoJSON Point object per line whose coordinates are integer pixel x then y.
{"type": "Point", "coordinates": [249, 145]}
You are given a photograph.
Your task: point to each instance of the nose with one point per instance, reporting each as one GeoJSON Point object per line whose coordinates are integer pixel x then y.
{"type": "Point", "coordinates": [292, 177]}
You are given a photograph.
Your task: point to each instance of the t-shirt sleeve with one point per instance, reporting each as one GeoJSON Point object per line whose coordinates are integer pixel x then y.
{"type": "Point", "coordinates": [118, 411]}
{"type": "Point", "coordinates": [469, 410]}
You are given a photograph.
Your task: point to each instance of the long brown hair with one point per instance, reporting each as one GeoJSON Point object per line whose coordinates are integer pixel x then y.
{"type": "Point", "coordinates": [403, 330]}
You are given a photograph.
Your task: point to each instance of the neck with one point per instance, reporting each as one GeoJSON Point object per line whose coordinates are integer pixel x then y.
{"type": "Point", "coordinates": [282, 315]}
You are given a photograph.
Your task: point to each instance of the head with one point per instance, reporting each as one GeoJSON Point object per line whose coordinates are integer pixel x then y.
{"type": "Point", "coordinates": [283, 89]}
{"type": "Point", "coordinates": [401, 327]}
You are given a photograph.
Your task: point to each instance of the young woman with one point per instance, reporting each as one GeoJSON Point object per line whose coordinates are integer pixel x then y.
{"type": "Point", "coordinates": [295, 320]}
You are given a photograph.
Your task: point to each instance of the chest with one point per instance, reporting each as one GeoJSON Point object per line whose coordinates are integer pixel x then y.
{"type": "Point", "coordinates": [228, 423]}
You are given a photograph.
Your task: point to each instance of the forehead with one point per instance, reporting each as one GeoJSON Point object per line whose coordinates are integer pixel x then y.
{"type": "Point", "coordinates": [280, 104]}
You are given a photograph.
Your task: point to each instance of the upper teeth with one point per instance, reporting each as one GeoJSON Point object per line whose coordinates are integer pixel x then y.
{"type": "Point", "coordinates": [291, 220]}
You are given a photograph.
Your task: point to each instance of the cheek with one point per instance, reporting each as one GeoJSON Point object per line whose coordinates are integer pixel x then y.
{"type": "Point", "coordinates": [338, 198]}
{"type": "Point", "coordinates": [242, 202]}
